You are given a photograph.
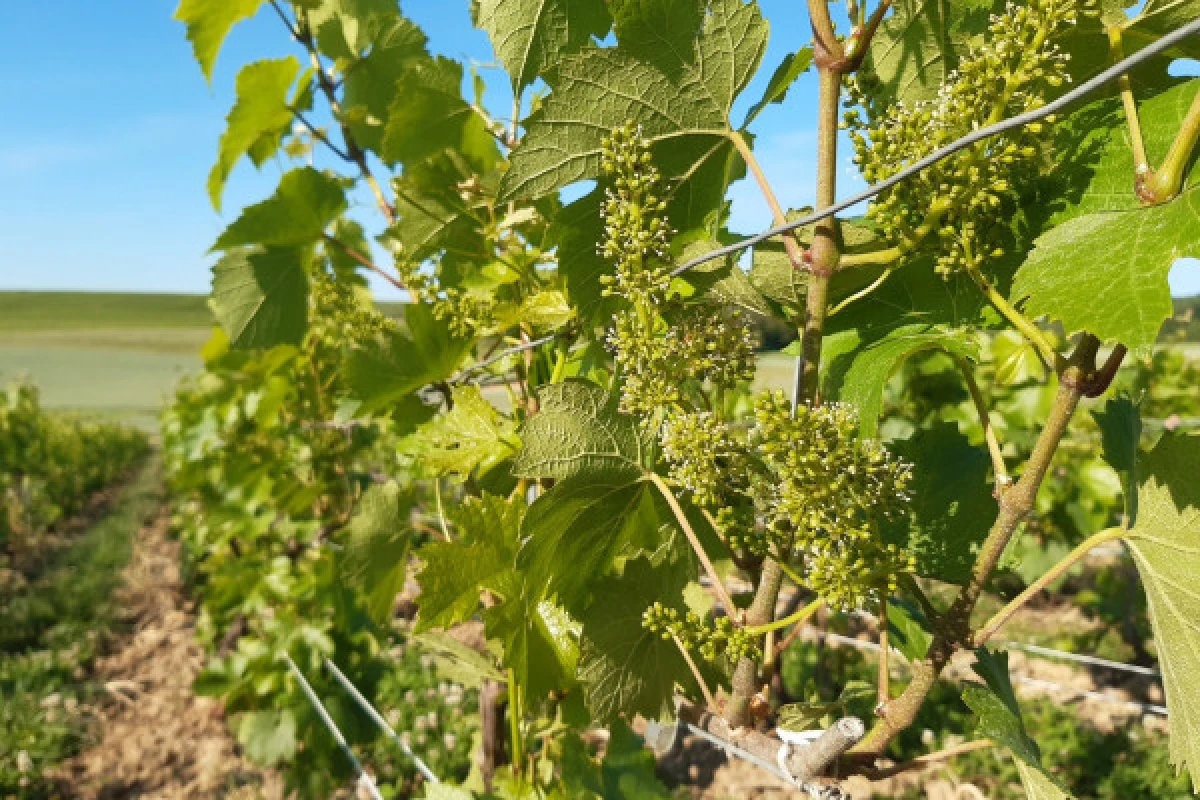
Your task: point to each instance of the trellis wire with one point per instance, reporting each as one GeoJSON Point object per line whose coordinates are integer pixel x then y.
{"type": "Point", "coordinates": [378, 719]}
{"type": "Point", "coordinates": [1079, 92]}
{"type": "Point", "coordinates": [1082, 90]}
{"type": "Point", "coordinates": [1094, 661]}
{"type": "Point", "coordinates": [1034, 682]}
{"type": "Point", "coordinates": [364, 779]}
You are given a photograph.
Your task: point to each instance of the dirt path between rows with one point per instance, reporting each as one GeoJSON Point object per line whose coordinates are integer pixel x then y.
{"type": "Point", "coordinates": [157, 738]}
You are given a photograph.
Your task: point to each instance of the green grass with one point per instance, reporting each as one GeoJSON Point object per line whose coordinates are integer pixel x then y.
{"type": "Point", "coordinates": [54, 628]}
{"type": "Point", "coordinates": [117, 356]}
{"type": "Point", "coordinates": [81, 311]}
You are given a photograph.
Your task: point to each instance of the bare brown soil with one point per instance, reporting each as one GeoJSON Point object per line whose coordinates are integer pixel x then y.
{"type": "Point", "coordinates": [157, 739]}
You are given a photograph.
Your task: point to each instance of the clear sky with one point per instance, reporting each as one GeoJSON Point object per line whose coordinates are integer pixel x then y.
{"type": "Point", "coordinates": [108, 132]}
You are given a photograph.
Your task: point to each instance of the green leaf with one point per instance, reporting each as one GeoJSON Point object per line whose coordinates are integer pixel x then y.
{"type": "Point", "coordinates": [860, 363]}
{"type": "Point", "coordinates": [1165, 545]}
{"type": "Point", "coordinates": [721, 279]}
{"type": "Point", "coordinates": [268, 737]}
{"type": "Point", "coordinates": [258, 120]}
{"type": "Point", "coordinates": [952, 505]}
{"type": "Point", "coordinates": [920, 44]}
{"type": "Point", "coordinates": [1125, 296]}
{"type": "Point", "coordinates": [391, 368]}
{"type": "Point", "coordinates": [575, 233]}
{"type": "Point", "coordinates": [909, 632]}
{"type": "Point", "coordinates": [260, 297]}
{"type": "Point", "coordinates": [442, 791]}
{"type": "Point", "coordinates": [209, 22]}
{"type": "Point", "coordinates": [531, 36]}
{"type": "Point", "coordinates": [458, 662]}
{"type": "Point", "coordinates": [629, 769]}
{"type": "Point", "coordinates": [453, 577]}
{"type": "Point", "coordinates": [371, 81]}
{"type": "Point", "coordinates": [1038, 785]}
{"type": "Point", "coordinates": [788, 72]}
{"type": "Point", "coordinates": [579, 431]}
{"type": "Point", "coordinates": [774, 276]}
{"type": "Point", "coordinates": [998, 717]}
{"type": "Point", "coordinates": [660, 32]}
{"type": "Point", "coordinates": [1120, 424]}
{"type": "Point", "coordinates": [470, 436]}
{"type": "Point", "coordinates": [429, 115]}
{"type": "Point", "coordinates": [540, 639]}
{"type": "Point", "coordinates": [374, 559]}
{"type": "Point", "coordinates": [626, 669]}
{"type": "Point", "coordinates": [589, 522]}
{"type": "Point", "coordinates": [685, 120]}
{"type": "Point", "coordinates": [303, 206]}
{"type": "Point", "coordinates": [345, 28]}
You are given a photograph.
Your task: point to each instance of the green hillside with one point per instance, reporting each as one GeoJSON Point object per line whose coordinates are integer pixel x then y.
{"type": "Point", "coordinates": [73, 311]}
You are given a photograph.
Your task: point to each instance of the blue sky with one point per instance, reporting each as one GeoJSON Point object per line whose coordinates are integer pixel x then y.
{"type": "Point", "coordinates": [109, 132]}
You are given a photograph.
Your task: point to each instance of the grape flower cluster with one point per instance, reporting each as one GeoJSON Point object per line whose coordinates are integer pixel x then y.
{"type": "Point", "coordinates": [962, 198]}
{"type": "Point", "coordinates": [720, 638]}
{"type": "Point", "coordinates": [804, 488]}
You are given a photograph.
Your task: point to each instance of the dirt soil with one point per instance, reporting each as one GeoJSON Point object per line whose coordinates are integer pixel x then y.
{"type": "Point", "coordinates": [156, 738]}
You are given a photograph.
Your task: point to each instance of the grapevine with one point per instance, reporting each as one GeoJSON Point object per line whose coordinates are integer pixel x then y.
{"type": "Point", "coordinates": [565, 443]}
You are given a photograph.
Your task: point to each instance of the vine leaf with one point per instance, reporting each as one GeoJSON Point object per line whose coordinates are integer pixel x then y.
{"type": "Point", "coordinates": [530, 36]}
{"type": "Point", "coordinates": [626, 669]}
{"type": "Point", "coordinates": [375, 548]}
{"type": "Point", "coordinates": [774, 276]}
{"type": "Point", "coordinates": [268, 736]}
{"type": "Point", "coordinates": [303, 206]}
{"type": "Point", "coordinates": [920, 44]}
{"type": "Point", "coordinates": [1165, 544]}
{"type": "Point", "coordinates": [258, 120]}
{"type": "Point", "coordinates": [661, 32]}
{"type": "Point", "coordinates": [685, 119]}
{"type": "Point", "coordinates": [1125, 296]}
{"type": "Point", "coordinates": [395, 365]}
{"type": "Point", "coordinates": [998, 717]}
{"type": "Point", "coordinates": [454, 573]}
{"type": "Point", "coordinates": [579, 431]}
{"type": "Point", "coordinates": [345, 28]}
{"type": "Point", "coordinates": [371, 81]}
{"type": "Point", "coordinates": [952, 504]}
{"type": "Point", "coordinates": [429, 114]}
{"type": "Point", "coordinates": [575, 231]}
{"type": "Point", "coordinates": [260, 297]}
{"type": "Point", "coordinates": [471, 436]}
{"type": "Point", "coordinates": [861, 363]}
{"type": "Point", "coordinates": [209, 22]}
{"type": "Point", "coordinates": [788, 72]}
{"type": "Point", "coordinates": [588, 521]}
{"type": "Point", "coordinates": [1120, 424]}
{"type": "Point", "coordinates": [541, 641]}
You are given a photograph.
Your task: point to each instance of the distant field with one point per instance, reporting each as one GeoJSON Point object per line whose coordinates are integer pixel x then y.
{"type": "Point", "coordinates": [111, 355]}
{"type": "Point", "coordinates": [74, 311]}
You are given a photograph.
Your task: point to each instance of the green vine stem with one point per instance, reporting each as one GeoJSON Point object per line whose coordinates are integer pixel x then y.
{"type": "Point", "coordinates": [795, 256]}
{"type": "Point", "coordinates": [1054, 573]}
{"type": "Point", "coordinates": [985, 420]}
{"type": "Point", "coordinates": [1141, 162]}
{"type": "Point", "coordinates": [823, 259]}
{"type": "Point", "coordinates": [1018, 320]}
{"type": "Point", "coordinates": [694, 540]}
{"type": "Point", "coordinates": [797, 618]}
{"type": "Point", "coordinates": [709, 699]}
{"type": "Point", "coordinates": [953, 628]}
{"type": "Point", "coordinates": [1168, 179]}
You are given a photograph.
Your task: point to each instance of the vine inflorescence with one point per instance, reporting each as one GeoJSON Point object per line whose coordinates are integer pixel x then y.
{"type": "Point", "coordinates": [961, 198]}
{"type": "Point", "coordinates": [804, 488]}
